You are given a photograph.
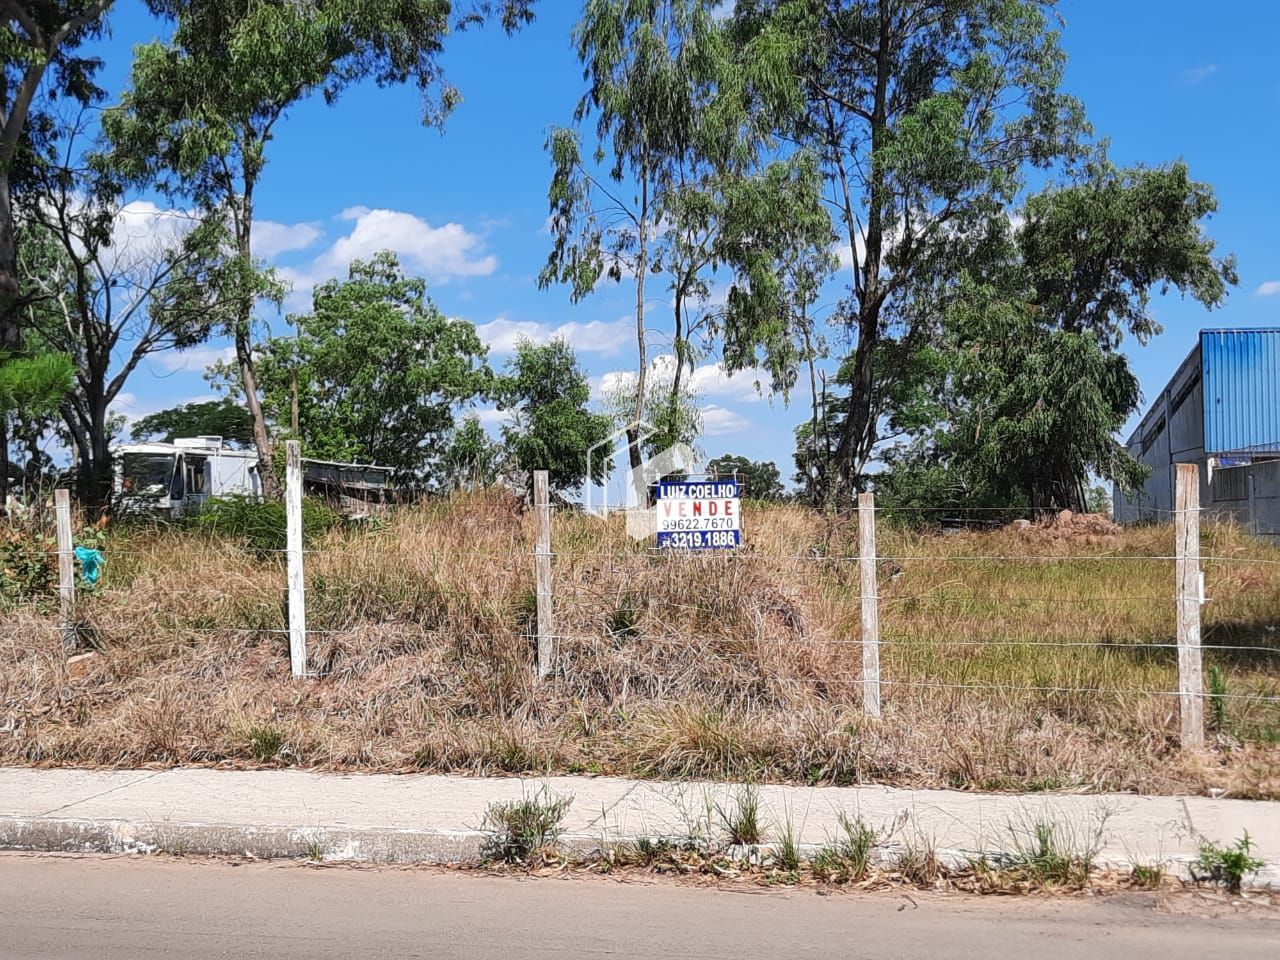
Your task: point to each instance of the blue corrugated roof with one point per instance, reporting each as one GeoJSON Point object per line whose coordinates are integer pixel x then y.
{"type": "Point", "coordinates": [1241, 377]}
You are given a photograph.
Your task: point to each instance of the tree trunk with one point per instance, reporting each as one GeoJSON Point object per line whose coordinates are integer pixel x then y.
{"type": "Point", "coordinates": [94, 477]}
{"type": "Point", "coordinates": [10, 324]}
{"type": "Point", "coordinates": [642, 268]}
{"type": "Point", "coordinates": [4, 459]}
{"type": "Point", "coordinates": [244, 353]}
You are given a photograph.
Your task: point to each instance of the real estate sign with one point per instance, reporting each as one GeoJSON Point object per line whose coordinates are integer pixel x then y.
{"type": "Point", "coordinates": [698, 514]}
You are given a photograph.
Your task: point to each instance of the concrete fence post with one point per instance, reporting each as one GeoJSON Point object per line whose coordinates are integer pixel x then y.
{"type": "Point", "coordinates": [293, 551]}
{"type": "Point", "coordinates": [66, 567]}
{"type": "Point", "coordinates": [1187, 575]}
{"type": "Point", "coordinates": [870, 604]}
{"type": "Point", "coordinates": [542, 574]}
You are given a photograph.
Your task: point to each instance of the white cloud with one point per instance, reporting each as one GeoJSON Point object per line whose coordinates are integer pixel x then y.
{"type": "Point", "coordinates": [271, 239]}
{"type": "Point", "coordinates": [708, 380]}
{"type": "Point", "coordinates": [1197, 74]}
{"type": "Point", "coordinates": [1268, 289]}
{"type": "Point", "coordinates": [490, 416]}
{"type": "Point", "coordinates": [439, 253]}
{"type": "Point", "coordinates": [196, 360]}
{"type": "Point", "coordinates": [594, 336]}
{"type": "Point", "coordinates": [719, 421]}
{"type": "Point", "coordinates": [712, 380]}
{"type": "Point", "coordinates": [128, 405]}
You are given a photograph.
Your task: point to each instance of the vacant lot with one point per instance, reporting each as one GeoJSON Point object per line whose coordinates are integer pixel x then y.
{"type": "Point", "coordinates": [1038, 658]}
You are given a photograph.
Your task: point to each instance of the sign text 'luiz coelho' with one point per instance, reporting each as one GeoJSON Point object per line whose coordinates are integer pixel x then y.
{"type": "Point", "coordinates": [698, 514]}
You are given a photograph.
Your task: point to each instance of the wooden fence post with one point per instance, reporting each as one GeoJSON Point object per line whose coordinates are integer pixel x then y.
{"type": "Point", "coordinates": [542, 573]}
{"type": "Point", "coordinates": [293, 549]}
{"type": "Point", "coordinates": [870, 604]}
{"type": "Point", "coordinates": [1187, 572]}
{"type": "Point", "coordinates": [66, 567]}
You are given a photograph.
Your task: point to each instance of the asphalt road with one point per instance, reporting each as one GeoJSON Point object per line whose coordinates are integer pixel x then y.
{"type": "Point", "coordinates": [86, 907]}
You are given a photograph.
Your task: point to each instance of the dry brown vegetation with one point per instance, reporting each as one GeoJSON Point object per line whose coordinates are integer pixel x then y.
{"type": "Point", "coordinates": [1048, 667]}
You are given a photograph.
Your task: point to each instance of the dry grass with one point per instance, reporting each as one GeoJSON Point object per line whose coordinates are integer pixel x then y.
{"type": "Point", "coordinates": [1048, 671]}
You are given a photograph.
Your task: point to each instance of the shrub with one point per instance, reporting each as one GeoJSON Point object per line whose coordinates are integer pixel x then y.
{"type": "Point", "coordinates": [26, 570]}
{"type": "Point", "coordinates": [1226, 866]}
{"type": "Point", "coordinates": [260, 524]}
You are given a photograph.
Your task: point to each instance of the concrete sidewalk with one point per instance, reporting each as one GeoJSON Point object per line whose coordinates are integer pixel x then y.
{"type": "Point", "coordinates": [413, 819]}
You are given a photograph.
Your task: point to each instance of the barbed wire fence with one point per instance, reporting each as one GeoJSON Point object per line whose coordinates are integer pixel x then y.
{"type": "Point", "coordinates": [858, 673]}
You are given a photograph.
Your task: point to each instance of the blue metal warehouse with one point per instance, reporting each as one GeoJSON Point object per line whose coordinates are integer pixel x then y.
{"type": "Point", "coordinates": [1221, 411]}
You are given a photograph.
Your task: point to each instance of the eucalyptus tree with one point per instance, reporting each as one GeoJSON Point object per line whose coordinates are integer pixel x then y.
{"type": "Point", "coordinates": [925, 116]}
{"type": "Point", "coordinates": [38, 43]}
{"type": "Point", "coordinates": [647, 69]}
{"type": "Point", "coordinates": [205, 104]}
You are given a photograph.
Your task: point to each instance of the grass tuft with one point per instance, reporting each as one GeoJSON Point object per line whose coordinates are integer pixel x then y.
{"type": "Point", "coordinates": [742, 820]}
{"type": "Point", "coordinates": [525, 828]}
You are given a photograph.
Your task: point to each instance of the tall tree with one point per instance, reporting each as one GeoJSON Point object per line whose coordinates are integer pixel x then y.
{"type": "Point", "coordinates": [37, 52]}
{"type": "Point", "coordinates": [210, 418]}
{"type": "Point", "coordinates": [206, 103]}
{"type": "Point", "coordinates": [552, 428]}
{"type": "Point", "coordinates": [38, 41]}
{"type": "Point", "coordinates": [379, 371]}
{"type": "Point", "coordinates": [644, 63]}
{"type": "Point", "coordinates": [924, 115]}
{"type": "Point", "coordinates": [112, 283]}
{"type": "Point", "coordinates": [1032, 387]}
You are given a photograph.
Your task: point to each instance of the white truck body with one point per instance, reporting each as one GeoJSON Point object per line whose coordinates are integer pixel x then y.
{"type": "Point", "coordinates": [178, 477]}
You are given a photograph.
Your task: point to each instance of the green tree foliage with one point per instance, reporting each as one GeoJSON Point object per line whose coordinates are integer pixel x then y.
{"type": "Point", "coordinates": [108, 291]}
{"type": "Point", "coordinates": [924, 116]}
{"type": "Point", "coordinates": [675, 414]}
{"type": "Point", "coordinates": [205, 104]}
{"type": "Point", "coordinates": [472, 459]}
{"type": "Point", "coordinates": [759, 480]}
{"type": "Point", "coordinates": [547, 392]}
{"type": "Point", "coordinates": [211, 418]}
{"type": "Point", "coordinates": [38, 44]}
{"type": "Point", "coordinates": [1031, 387]}
{"type": "Point", "coordinates": [379, 371]}
{"type": "Point", "coordinates": [672, 189]}
{"type": "Point", "coordinates": [643, 71]}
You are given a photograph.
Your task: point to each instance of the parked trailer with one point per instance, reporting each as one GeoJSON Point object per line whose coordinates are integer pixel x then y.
{"type": "Point", "coordinates": [178, 477]}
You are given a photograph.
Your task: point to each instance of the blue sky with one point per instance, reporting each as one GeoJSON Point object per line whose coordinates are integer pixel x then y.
{"type": "Point", "coordinates": [467, 209]}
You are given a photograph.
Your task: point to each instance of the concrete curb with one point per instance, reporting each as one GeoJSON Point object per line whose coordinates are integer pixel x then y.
{"type": "Point", "coordinates": [404, 819]}
{"type": "Point", "coordinates": [377, 845]}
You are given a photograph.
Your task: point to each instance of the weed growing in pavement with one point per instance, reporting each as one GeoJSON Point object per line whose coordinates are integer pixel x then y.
{"type": "Point", "coordinates": [788, 855]}
{"type": "Point", "coordinates": [1147, 876]}
{"type": "Point", "coordinates": [846, 858]}
{"type": "Point", "coordinates": [742, 820]}
{"type": "Point", "coordinates": [522, 828]}
{"type": "Point", "coordinates": [1046, 853]}
{"type": "Point", "coordinates": [1226, 866]}
{"type": "Point", "coordinates": [918, 862]}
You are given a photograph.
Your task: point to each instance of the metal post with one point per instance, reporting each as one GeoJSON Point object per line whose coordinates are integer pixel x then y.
{"type": "Point", "coordinates": [542, 573]}
{"type": "Point", "coordinates": [293, 548]}
{"type": "Point", "coordinates": [1187, 572]}
{"type": "Point", "coordinates": [870, 604]}
{"type": "Point", "coordinates": [66, 567]}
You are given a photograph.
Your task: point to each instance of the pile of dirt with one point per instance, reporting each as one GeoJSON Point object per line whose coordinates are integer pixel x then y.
{"type": "Point", "coordinates": [1070, 527]}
